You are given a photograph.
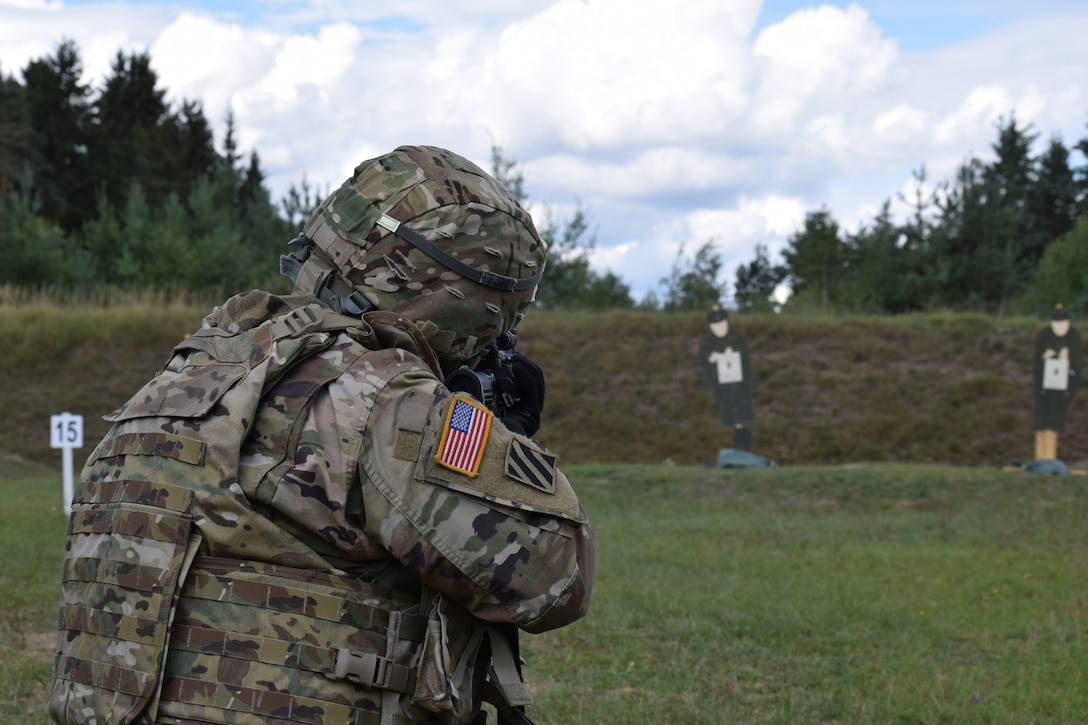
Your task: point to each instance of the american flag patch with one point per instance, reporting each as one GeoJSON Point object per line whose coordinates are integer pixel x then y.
{"type": "Point", "coordinates": [464, 436]}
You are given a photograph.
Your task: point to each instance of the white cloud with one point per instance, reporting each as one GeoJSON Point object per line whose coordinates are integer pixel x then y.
{"type": "Point", "coordinates": [670, 121]}
{"type": "Point", "coordinates": [750, 219]}
{"type": "Point", "coordinates": [31, 31]}
{"type": "Point", "coordinates": [317, 61]}
{"type": "Point", "coordinates": [900, 125]}
{"type": "Point", "coordinates": [982, 107]}
{"type": "Point", "coordinates": [677, 170]}
{"type": "Point", "coordinates": [609, 74]}
{"type": "Point", "coordinates": [815, 60]}
{"type": "Point", "coordinates": [613, 257]}
{"type": "Point", "coordinates": [231, 60]}
{"type": "Point", "coordinates": [733, 232]}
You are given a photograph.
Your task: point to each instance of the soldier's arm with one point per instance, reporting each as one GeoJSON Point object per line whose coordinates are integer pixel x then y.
{"type": "Point", "coordinates": [493, 525]}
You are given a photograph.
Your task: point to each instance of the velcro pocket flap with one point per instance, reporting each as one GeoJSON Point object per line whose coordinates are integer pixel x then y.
{"type": "Point", "coordinates": [188, 393]}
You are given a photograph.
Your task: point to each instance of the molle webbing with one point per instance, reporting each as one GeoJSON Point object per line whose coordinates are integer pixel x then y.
{"type": "Point", "coordinates": [262, 705]}
{"type": "Point", "coordinates": [333, 642]}
{"type": "Point", "coordinates": [115, 644]}
{"type": "Point", "coordinates": [142, 500]}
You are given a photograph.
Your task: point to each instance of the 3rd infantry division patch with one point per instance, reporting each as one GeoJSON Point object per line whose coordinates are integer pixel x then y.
{"type": "Point", "coordinates": [528, 464]}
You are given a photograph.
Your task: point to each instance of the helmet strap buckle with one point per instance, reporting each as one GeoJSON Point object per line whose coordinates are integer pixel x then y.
{"type": "Point", "coordinates": [313, 275]}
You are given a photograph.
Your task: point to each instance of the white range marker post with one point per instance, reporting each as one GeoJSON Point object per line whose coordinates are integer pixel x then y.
{"type": "Point", "coordinates": [66, 433]}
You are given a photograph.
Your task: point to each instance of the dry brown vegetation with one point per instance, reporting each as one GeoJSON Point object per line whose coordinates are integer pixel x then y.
{"type": "Point", "coordinates": [624, 386]}
{"type": "Point", "coordinates": [949, 388]}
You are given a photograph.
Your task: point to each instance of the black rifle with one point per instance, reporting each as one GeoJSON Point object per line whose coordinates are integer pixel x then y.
{"type": "Point", "coordinates": [492, 381]}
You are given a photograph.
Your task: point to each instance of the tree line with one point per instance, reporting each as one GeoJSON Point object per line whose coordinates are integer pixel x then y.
{"type": "Point", "coordinates": [113, 186]}
{"type": "Point", "coordinates": [1008, 235]}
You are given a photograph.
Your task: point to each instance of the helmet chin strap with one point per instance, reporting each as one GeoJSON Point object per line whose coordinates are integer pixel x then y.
{"type": "Point", "coordinates": [435, 252]}
{"type": "Point", "coordinates": [313, 275]}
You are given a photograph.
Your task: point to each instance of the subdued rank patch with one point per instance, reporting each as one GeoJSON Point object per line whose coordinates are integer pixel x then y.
{"type": "Point", "coordinates": [464, 436]}
{"type": "Point", "coordinates": [528, 464]}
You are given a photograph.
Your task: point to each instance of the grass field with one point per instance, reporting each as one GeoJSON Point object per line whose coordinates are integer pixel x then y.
{"type": "Point", "coordinates": [856, 594]}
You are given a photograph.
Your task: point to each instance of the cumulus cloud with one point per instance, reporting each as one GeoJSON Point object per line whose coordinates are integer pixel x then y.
{"type": "Point", "coordinates": [732, 232]}
{"type": "Point", "coordinates": [670, 123]}
{"type": "Point", "coordinates": [32, 30]}
{"type": "Point", "coordinates": [817, 60]}
{"type": "Point", "coordinates": [231, 59]}
{"type": "Point", "coordinates": [772, 215]}
{"type": "Point", "coordinates": [679, 170]}
{"type": "Point", "coordinates": [608, 74]}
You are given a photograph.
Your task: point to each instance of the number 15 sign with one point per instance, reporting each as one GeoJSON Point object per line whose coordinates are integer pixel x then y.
{"type": "Point", "coordinates": [66, 431]}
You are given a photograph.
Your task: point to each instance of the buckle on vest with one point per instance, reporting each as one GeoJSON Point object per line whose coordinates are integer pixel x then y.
{"type": "Point", "coordinates": [302, 319]}
{"type": "Point", "coordinates": [370, 670]}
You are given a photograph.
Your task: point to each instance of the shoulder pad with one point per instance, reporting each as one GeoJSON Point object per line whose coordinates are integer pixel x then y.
{"type": "Point", "coordinates": [475, 454]}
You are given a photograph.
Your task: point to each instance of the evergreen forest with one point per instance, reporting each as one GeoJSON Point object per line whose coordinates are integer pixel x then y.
{"type": "Point", "coordinates": [113, 187]}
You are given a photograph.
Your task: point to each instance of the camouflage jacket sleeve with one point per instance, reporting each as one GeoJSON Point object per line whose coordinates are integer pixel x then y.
{"type": "Point", "coordinates": [487, 520]}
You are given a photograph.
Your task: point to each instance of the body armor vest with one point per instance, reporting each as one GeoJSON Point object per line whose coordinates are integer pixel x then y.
{"type": "Point", "coordinates": [159, 623]}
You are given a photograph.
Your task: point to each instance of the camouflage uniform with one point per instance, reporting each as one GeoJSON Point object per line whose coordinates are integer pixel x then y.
{"type": "Point", "coordinates": [274, 531]}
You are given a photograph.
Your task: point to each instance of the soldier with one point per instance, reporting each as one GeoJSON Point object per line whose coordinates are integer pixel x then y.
{"type": "Point", "coordinates": [1058, 352]}
{"type": "Point", "coordinates": [296, 521]}
{"type": "Point", "coordinates": [726, 368]}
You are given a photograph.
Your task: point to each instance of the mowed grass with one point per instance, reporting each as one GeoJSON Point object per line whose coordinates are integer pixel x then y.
{"type": "Point", "coordinates": [32, 529]}
{"type": "Point", "coordinates": [825, 595]}
{"type": "Point", "coordinates": [863, 594]}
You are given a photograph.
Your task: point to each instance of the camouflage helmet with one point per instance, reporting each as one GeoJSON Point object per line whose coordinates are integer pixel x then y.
{"type": "Point", "coordinates": [425, 233]}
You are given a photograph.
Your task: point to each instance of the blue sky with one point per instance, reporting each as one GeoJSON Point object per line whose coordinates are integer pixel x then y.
{"type": "Point", "coordinates": [915, 25]}
{"type": "Point", "coordinates": [927, 24]}
{"type": "Point", "coordinates": [670, 123]}
{"type": "Point", "coordinates": [920, 25]}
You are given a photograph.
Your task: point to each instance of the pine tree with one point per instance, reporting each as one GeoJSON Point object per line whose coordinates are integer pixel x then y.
{"type": "Point", "coordinates": [32, 247]}
{"type": "Point", "coordinates": [230, 143]}
{"type": "Point", "coordinates": [879, 273]}
{"type": "Point", "coordinates": [127, 140]}
{"type": "Point", "coordinates": [965, 239]}
{"type": "Point", "coordinates": [570, 281]}
{"type": "Point", "coordinates": [694, 284]}
{"type": "Point", "coordinates": [300, 202]}
{"type": "Point", "coordinates": [925, 254]}
{"type": "Point", "coordinates": [1053, 198]}
{"type": "Point", "coordinates": [814, 257]}
{"type": "Point", "coordinates": [60, 115]}
{"type": "Point", "coordinates": [17, 153]}
{"type": "Point", "coordinates": [188, 148]}
{"type": "Point", "coordinates": [219, 260]}
{"type": "Point", "coordinates": [1062, 274]}
{"type": "Point", "coordinates": [264, 235]}
{"type": "Point", "coordinates": [1010, 180]}
{"type": "Point", "coordinates": [756, 281]}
